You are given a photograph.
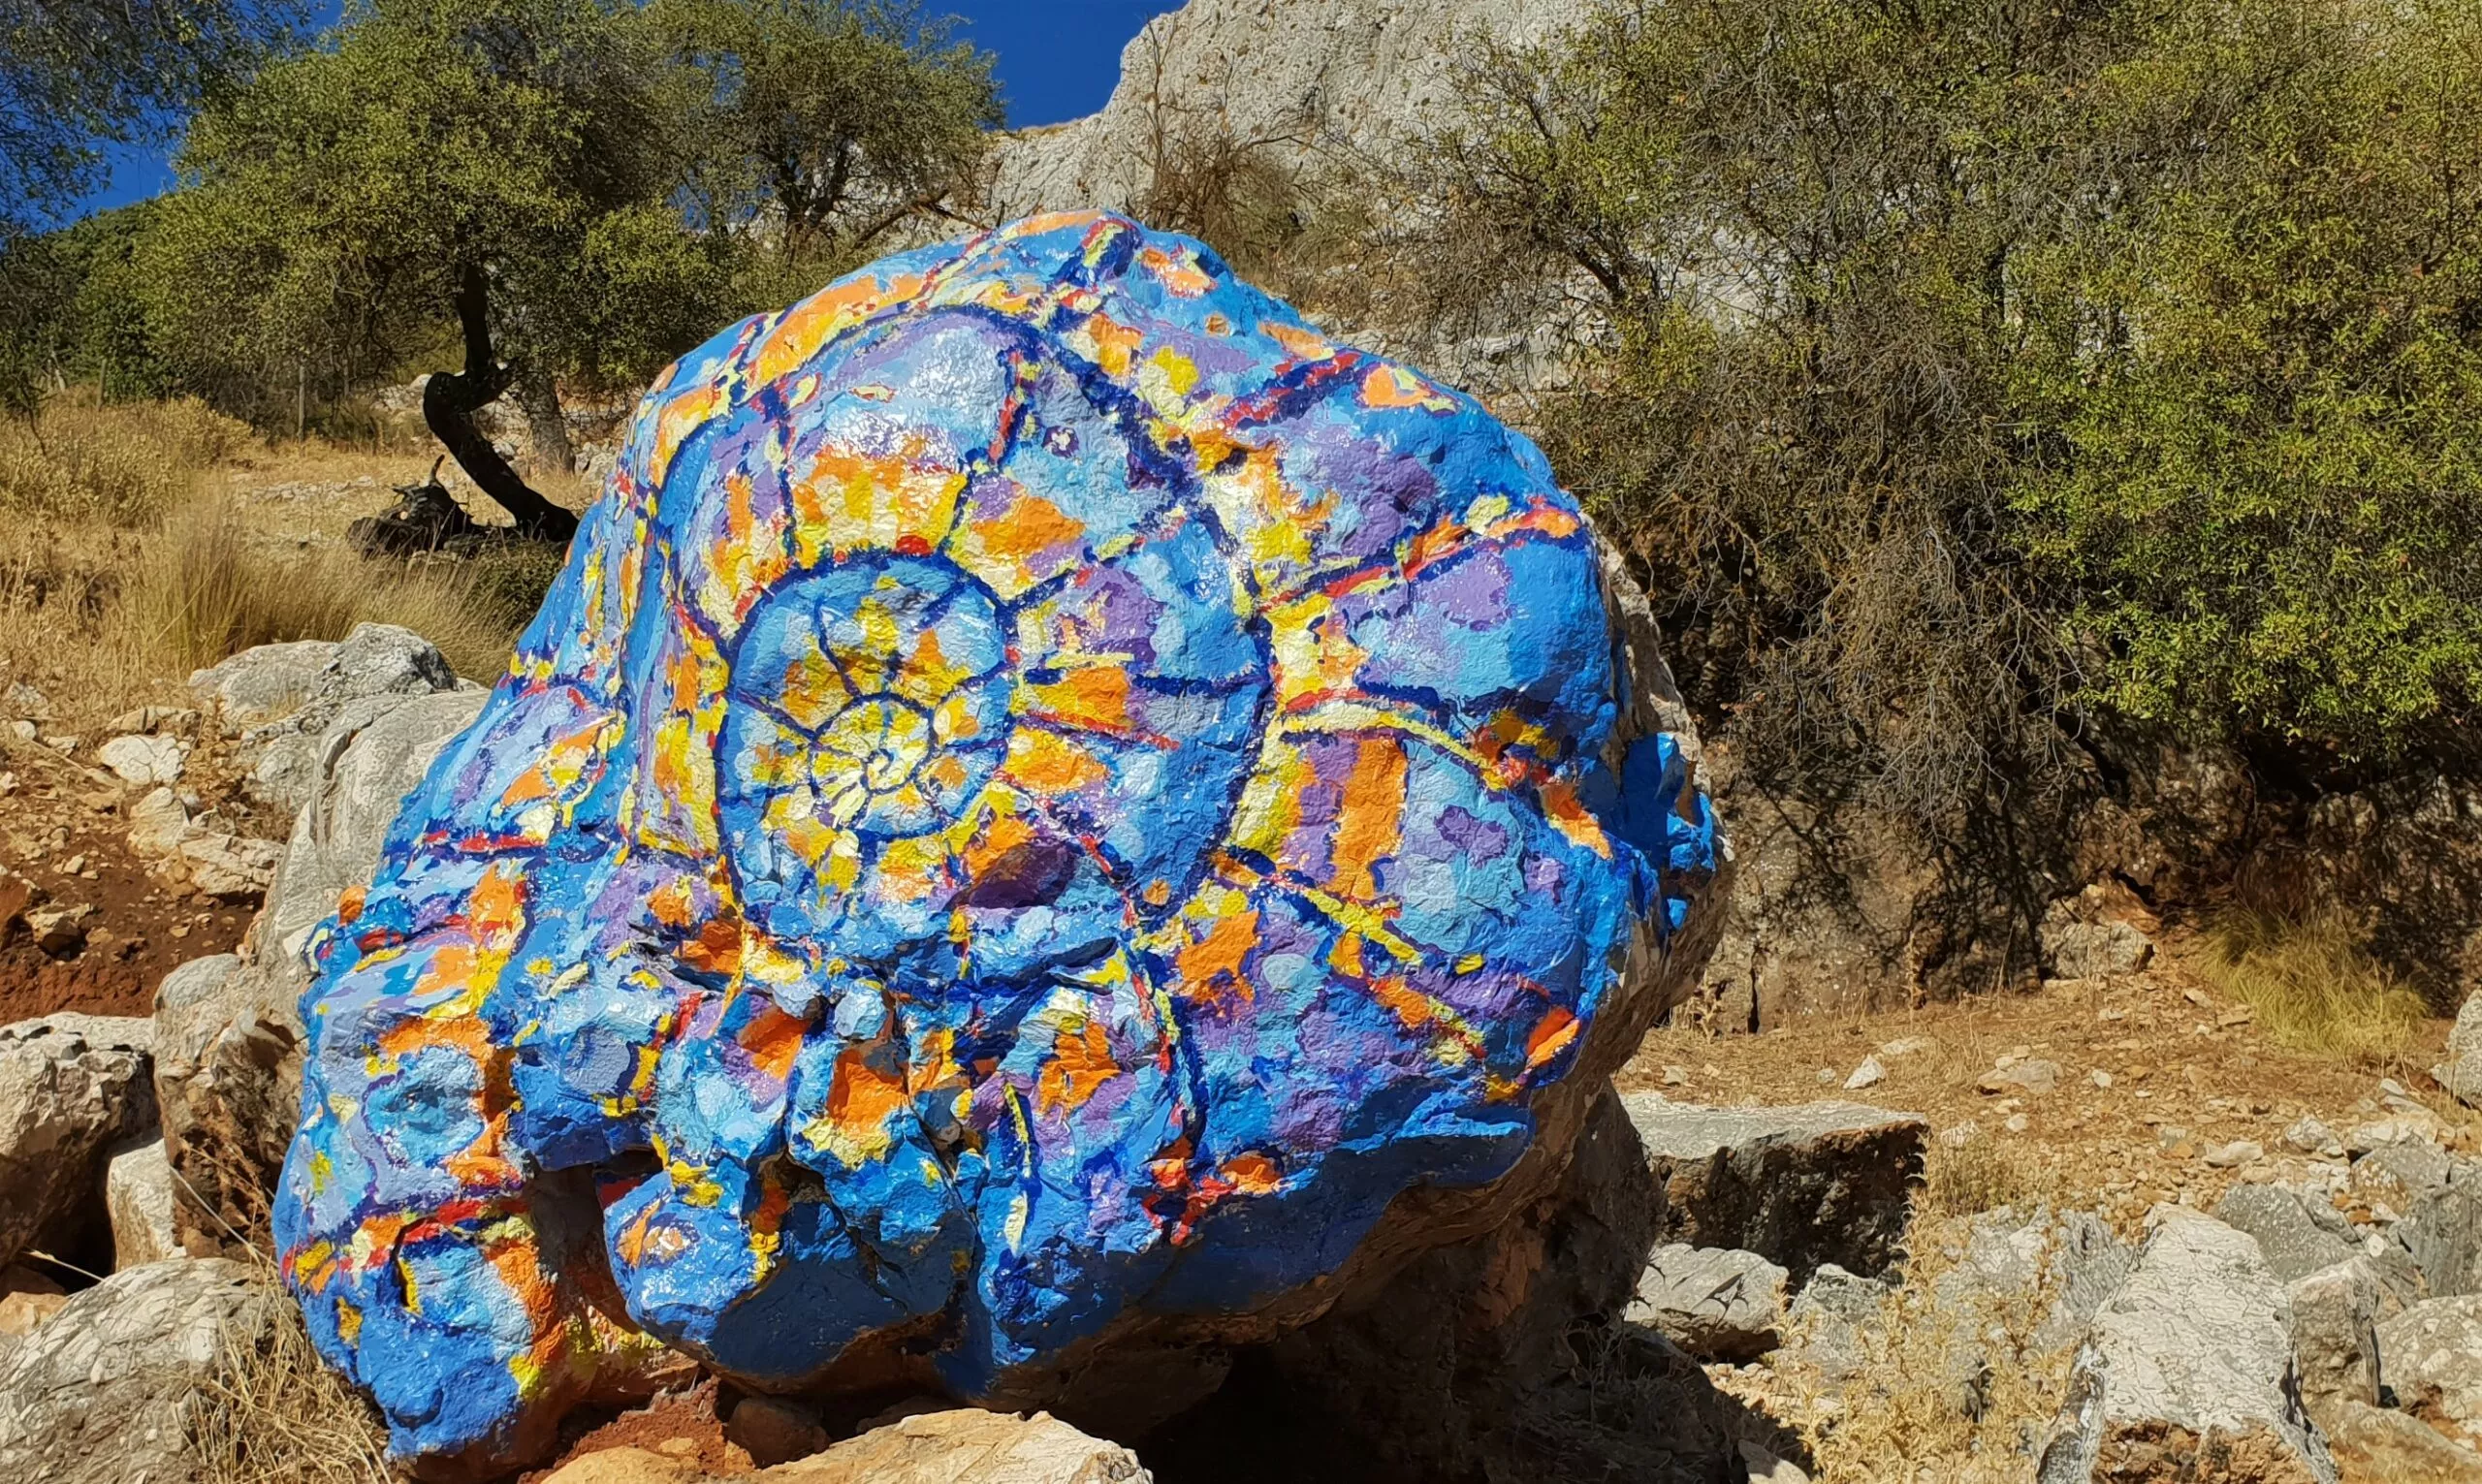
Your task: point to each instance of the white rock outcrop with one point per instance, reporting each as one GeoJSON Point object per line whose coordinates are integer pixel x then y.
{"type": "Point", "coordinates": [2188, 1371]}
{"type": "Point", "coordinates": [95, 1395]}
{"type": "Point", "coordinates": [71, 1088]}
{"type": "Point", "coordinates": [1307, 76]}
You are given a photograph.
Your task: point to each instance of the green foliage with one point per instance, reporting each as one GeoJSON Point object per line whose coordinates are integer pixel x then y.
{"type": "Point", "coordinates": [1969, 372]}
{"type": "Point", "coordinates": [625, 178]}
{"type": "Point", "coordinates": [2264, 500]}
{"type": "Point", "coordinates": [826, 122]}
{"type": "Point", "coordinates": [75, 74]}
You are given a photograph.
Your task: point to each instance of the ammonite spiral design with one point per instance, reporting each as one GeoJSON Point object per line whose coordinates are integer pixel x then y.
{"type": "Point", "coordinates": [1046, 788]}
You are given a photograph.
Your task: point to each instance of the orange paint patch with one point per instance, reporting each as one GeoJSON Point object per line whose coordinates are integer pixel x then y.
{"type": "Point", "coordinates": [1552, 1034]}
{"type": "Point", "coordinates": [1219, 956]}
{"type": "Point", "coordinates": [1369, 823]}
{"type": "Point", "coordinates": [1081, 1061]}
{"type": "Point", "coordinates": [1096, 700]}
{"type": "Point", "coordinates": [1050, 765]}
{"type": "Point", "coordinates": [1251, 1173]}
{"type": "Point", "coordinates": [773, 1039]}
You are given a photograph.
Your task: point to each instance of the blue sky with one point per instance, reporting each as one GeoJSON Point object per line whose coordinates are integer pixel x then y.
{"type": "Point", "coordinates": [1058, 59]}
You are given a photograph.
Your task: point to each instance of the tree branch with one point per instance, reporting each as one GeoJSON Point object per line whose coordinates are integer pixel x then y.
{"type": "Point", "coordinates": [450, 400]}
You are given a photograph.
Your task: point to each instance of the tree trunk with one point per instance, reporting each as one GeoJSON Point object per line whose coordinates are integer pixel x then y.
{"type": "Point", "coordinates": [546, 428]}
{"type": "Point", "coordinates": [450, 400]}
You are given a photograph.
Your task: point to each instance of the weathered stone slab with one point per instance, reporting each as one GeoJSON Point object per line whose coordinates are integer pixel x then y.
{"type": "Point", "coordinates": [138, 1197]}
{"type": "Point", "coordinates": [2334, 1335]}
{"type": "Point", "coordinates": [1800, 1186]}
{"type": "Point", "coordinates": [71, 1087]}
{"type": "Point", "coordinates": [2296, 1237]}
{"type": "Point", "coordinates": [2189, 1372]}
{"type": "Point", "coordinates": [2431, 1358]}
{"type": "Point", "coordinates": [1081, 817]}
{"type": "Point", "coordinates": [963, 1446]}
{"type": "Point", "coordinates": [1713, 1302]}
{"type": "Point", "coordinates": [95, 1395]}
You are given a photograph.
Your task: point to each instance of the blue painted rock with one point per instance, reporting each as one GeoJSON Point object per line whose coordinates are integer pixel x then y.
{"type": "Point", "coordinates": [1054, 810]}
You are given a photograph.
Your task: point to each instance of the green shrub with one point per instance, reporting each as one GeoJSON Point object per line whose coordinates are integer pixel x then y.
{"type": "Point", "coordinates": [1978, 380]}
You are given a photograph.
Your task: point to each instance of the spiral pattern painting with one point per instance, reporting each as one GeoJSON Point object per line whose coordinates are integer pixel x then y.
{"type": "Point", "coordinates": [1047, 789]}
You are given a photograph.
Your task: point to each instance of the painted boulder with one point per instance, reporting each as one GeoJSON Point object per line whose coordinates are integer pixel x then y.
{"type": "Point", "coordinates": [1053, 810]}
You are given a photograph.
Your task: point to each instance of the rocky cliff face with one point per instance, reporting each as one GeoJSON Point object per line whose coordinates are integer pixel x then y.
{"type": "Point", "coordinates": [1310, 77]}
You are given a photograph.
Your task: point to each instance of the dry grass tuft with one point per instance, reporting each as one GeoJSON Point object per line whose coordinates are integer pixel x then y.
{"type": "Point", "coordinates": [122, 464]}
{"type": "Point", "coordinates": [1950, 1390]}
{"type": "Point", "coordinates": [1982, 1175]}
{"type": "Point", "coordinates": [274, 1414]}
{"type": "Point", "coordinates": [2313, 986]}
{"type": "Point", "coordinates": [206, 589]}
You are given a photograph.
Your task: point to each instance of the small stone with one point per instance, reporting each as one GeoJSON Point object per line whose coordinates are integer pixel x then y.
{"type": "Point", "coordinates": [27, 1298]}
{"type": "Point", "coordinates": [1676, 1077]}
{"type": "Point", "coordinates": [68, 743]}
{"type": "Point", "coordinates": [1766, 1468]}
{"type": "Point", "coordinates": [2309, 1136]}
{"type": "Point", "coordinates": [2027, 1075]}
{"type": "Point", "coordinates": [145, 761]}
{"type": "Point", "coordinates": [1827, 1076]}
{"type": "Point", "coordinates": [179, 929]}
{"type": "Point", "coordinates": [1869, 1074]}
{"type": "Point", "coordinates": [23, 731]}
{"type": "Point", "coordinates": [775, 1430]}
{"type": "Point", "coordinates": [2018, 1123]}
{"type": "Point", "coordinates": [60, 930]}
{"type": "Point", "coordinates": [2233, 1156]}
{"type": "Point", "coordinates": [1907, 1046]}
{"type": "Point", "coordinates": [2100, 1078]}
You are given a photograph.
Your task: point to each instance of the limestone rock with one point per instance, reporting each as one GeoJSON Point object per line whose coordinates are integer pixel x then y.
{"type": "Point", "coordinates": [2069, 1264]}
{"type": "Point", "coordinates": [966, 1446]}
{"type": "Point", "coordinates": [2189, 1372]}
{"type": "Point", "coordinates": [187, 853]}
{"type": "Point", "coordinates": [2430, 1357]}
{"type": "Point", "coordinates": [144, 762]}
{"type": "Point", "coordinates": [1311, 73]}
{"type": "Point", "coordinates": [27, 1298]}
{"type": "Point", "coordinates": [2388, 1447]}
{"type": "Point", "coordinates": [263, 684]}
{"type": "Point", "coordinates": [2462, 1072]}
{"type": "Point", "coordinates": [138, 1197]}
{"type": "Point", "coordinates": [2079, 949]}
{"type": "Point", "coordinates": [962, 1447]}
{"type": "Point", "coordinates": [1799, 1185]}
{"type": "Point", "coordinates": [2335, 1334]}
{"type": "Point", "coordinates": [1831, 1326]}
{"type": "Point", "coordinates": [59, 929]}
{"type": "Point", "coordinates": [2391, 1177]}
{"type": "Point", "coordinates": [96, 1395]}
{"type": "Point", "coordinates": [1713, 1302]}
{"type": "Point", "coordinates": [2297, 1237]}
{"type": "Point", "coordinates": [71, 1087]}
{"type": "Point", "coordinates": [375, 669]}
{"type": "Point", "coordinates": [229, 1076]}
{"type": "Point", "coordinates": [1286, 1001]}
{"type": "Point", "coordinates": [2442, 1233]}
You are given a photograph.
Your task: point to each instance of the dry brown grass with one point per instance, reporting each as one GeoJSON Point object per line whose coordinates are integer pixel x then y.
{"type": "Point", "coordinates": [1949, 1391]}
{"type": "Point", "coordinates": [122, 464]}
{"type": "Point", "coordinates": [273, 1413]}
{"type": "Point", "coordinates": [209, 588]}
{"type": "Point", "coordinates": [1986, 1173]}
{"type": "Point", "coordinates": [2314, 987]}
